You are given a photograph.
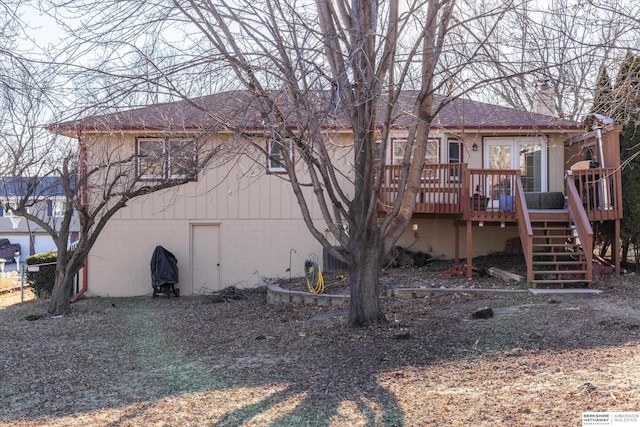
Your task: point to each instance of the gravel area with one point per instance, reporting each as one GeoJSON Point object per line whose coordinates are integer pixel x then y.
{"type": "Point", "coordinates": [540, 360]}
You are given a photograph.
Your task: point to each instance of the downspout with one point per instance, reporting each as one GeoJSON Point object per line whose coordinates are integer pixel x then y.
{"type": "Point", "coordinates": [85, 275]}
{"type": "Point", "coordinates": [600, 148]}
{"type": "Point", "coordinates": [83, 172]}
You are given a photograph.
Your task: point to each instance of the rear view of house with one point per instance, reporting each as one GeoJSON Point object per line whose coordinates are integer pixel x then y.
{"type": "Point", "coordinates": [492, 174]}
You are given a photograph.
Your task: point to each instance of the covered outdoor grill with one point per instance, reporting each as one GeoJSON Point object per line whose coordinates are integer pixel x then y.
{"type": "Point", "coordinates": [164, 272]}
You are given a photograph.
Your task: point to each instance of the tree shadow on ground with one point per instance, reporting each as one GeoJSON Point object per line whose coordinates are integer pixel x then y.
{"type": "Point", "coordinates": [154, 349]}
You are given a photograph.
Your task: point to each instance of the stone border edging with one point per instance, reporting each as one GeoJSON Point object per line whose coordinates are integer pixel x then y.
{"type": "Point", "coordinates": [278, 295]}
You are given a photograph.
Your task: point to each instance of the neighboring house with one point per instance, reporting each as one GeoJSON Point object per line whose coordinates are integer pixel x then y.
{"type": "Point", "coordinates": [240, 222]}
{"type": "Point", "coordinates": [47, 203]}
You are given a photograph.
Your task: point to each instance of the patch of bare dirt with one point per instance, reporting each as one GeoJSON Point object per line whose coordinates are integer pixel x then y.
{"type": "Point", "coordinates": [540, 360]}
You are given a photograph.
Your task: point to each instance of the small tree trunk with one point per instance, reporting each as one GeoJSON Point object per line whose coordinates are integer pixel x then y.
{"type": "Point", "coordinates": [625, 251]}
{"type": "Point", "coordinates": [364, 303]}
{"type": "Point", "coordinates": [60, 302]}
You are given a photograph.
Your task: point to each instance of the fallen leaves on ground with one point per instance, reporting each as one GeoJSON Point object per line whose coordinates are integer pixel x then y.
{"type": "Point", "coordinates": [539, 360]}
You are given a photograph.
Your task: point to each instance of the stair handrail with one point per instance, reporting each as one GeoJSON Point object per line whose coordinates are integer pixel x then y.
{"type": "Point", "coordinates": [579, 216]}
{"type": "Point", "coordinates": [524, 228]}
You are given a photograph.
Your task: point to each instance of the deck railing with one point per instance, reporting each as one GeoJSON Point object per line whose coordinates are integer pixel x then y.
{"type": "Point", "coordinates": [525, 229]}
{"type": "Point", "coordinates": [440, 188]}
{"type": "Point", "coordinates": [490, 194]}
{"type": "Point", "coordinates": [600, 192]}
{"type": "Point", "coordinates": [581, 220]}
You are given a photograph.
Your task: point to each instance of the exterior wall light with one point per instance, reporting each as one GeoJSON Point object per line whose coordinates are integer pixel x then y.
{"type": "Point", "coordinates": [474, 147]}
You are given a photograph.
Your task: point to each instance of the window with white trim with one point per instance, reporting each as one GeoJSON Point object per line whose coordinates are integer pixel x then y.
{"type": "Point", "coordinates": [275, 157]}
{"type": "Point", "coordinates": [399, 147]}
{"type": "Point", "coordinates": [182, 157]}
{"type": "Point", "coordinates": [6, 208]}
{"type": "Point", "coordinates": [151, 158]}
{"type": "Point", "coordinates": [454, 152]}
{"type": "Point", "coordinates": [431, 156]}
{"type": "Point", "coordinates": [164, 158]}
{"type": "Point", "coordinates": [57, 207]}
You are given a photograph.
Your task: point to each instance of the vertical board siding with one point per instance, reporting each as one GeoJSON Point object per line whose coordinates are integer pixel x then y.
{"type": "Point", "coordinates": [238, 190]}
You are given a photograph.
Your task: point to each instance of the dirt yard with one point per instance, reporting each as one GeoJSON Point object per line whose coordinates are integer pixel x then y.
{"type": "Point", "coordinates": [539, 361]}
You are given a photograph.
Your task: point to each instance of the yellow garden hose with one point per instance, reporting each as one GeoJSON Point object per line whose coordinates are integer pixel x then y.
{"type": "Point", "coordinates": [315, 282]}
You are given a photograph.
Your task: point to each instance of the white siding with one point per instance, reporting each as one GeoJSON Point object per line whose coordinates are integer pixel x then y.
{"type": "Point", "coordinates": [249, 251]}
{"type": "Point", "coordinates": [260, 222]}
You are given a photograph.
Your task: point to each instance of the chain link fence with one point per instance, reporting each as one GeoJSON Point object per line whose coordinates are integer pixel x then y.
{"type": "Point", "coordinates": [21, 282]}
{"type": "Point", "coordinates": [14, 287]}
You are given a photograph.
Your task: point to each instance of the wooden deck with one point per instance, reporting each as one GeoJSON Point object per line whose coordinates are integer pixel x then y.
{"type": "Point", "coordinates": [497, 196]}
{"type": "Point", "coordinates": [490, 194]}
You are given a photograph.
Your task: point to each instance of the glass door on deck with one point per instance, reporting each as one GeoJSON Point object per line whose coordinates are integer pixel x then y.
{"type": "Point", "coordinates": [499, 156]}
{"type": "Point", "coordinates": [531, 166]}
{"type": "Point", "coordinates": [528, 155]}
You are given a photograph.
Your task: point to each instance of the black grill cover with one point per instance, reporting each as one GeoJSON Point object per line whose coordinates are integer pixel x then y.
{"type": "Point", "coordinates": [164, 267]}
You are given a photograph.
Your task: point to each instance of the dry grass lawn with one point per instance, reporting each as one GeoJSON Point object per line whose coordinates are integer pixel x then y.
{"type": "Point", "coordinates": [9, 279]}
{"type": "Point", "coordinates": [540, 361]}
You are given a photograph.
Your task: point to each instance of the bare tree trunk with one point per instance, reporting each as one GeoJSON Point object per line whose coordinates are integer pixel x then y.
{"type": "Point", "coordinates": [364, 286]}
{"type": "Point", "coordinates": [625, 251]}
{"type": "Point", "coordinates": [60, 302]}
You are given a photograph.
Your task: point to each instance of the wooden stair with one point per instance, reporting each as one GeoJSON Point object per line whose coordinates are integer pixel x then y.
{"type": "Point", "coordinates": [559, 259]}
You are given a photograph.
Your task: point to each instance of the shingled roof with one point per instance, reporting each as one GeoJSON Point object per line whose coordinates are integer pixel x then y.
{"type": "Point", "coordinates": [240, 110]}
{"type": "Point", "coordinates": [35, 187]}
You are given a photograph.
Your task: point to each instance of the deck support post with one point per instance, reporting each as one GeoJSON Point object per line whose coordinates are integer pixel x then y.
{"type": "Point", "coordinates": [469, 248]}
{"type": "Point", "coordinates": [456, 224]}
{"type": "Point", "coordinates": [616, 246]}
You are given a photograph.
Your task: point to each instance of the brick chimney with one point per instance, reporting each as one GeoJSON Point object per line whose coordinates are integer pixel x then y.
{"type": "Point", "coordinates": [544, 99]}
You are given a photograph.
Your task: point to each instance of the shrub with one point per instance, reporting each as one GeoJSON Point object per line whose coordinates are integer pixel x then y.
{"type": "Point", "coordinates": [42, 279]}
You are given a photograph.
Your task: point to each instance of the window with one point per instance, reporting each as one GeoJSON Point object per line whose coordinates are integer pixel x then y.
{"type": "Point", "coordinates": [399, 147]}
{"type": "Point", "coordinates": [160, 158]}
{"type": "Point", "coordinates": [455, 156]}
{"type": "Point", "coordinates": [275, 159]}
{"type": "Point", "coordinates": [182, 158]}
{"type": "Point", "coordinates": [56, 207]}
{"type": "Point", "coordinates": [377, 150]}
{"type": "Point", "coordinates": [455, 152]}
{"type": "Point", "coordinates": [430, 157]}
{"type": "Point", "coordinates": [6, 212]}
{"type": "Point", "coordinates": [151, 158]}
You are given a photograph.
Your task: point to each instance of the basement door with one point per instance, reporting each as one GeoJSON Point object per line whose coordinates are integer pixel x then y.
{"type": "Point", "coordinates": [205, 258]}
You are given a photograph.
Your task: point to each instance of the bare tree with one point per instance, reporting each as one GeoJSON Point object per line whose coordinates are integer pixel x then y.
{"type": "Point", "coordinates": [310, 66]}
{"type": "Point", "coordinates": [97, 181]}
{"type": "Point", "coordinates": [562, 43]}
{"type": "Point", "coordinates": [315, 66]}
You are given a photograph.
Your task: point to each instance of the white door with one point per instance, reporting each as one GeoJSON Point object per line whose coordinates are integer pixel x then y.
{"type": "Point", "coordinates": [205, 258]}
{"type": "Point", "coordinates": [529, 155]}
